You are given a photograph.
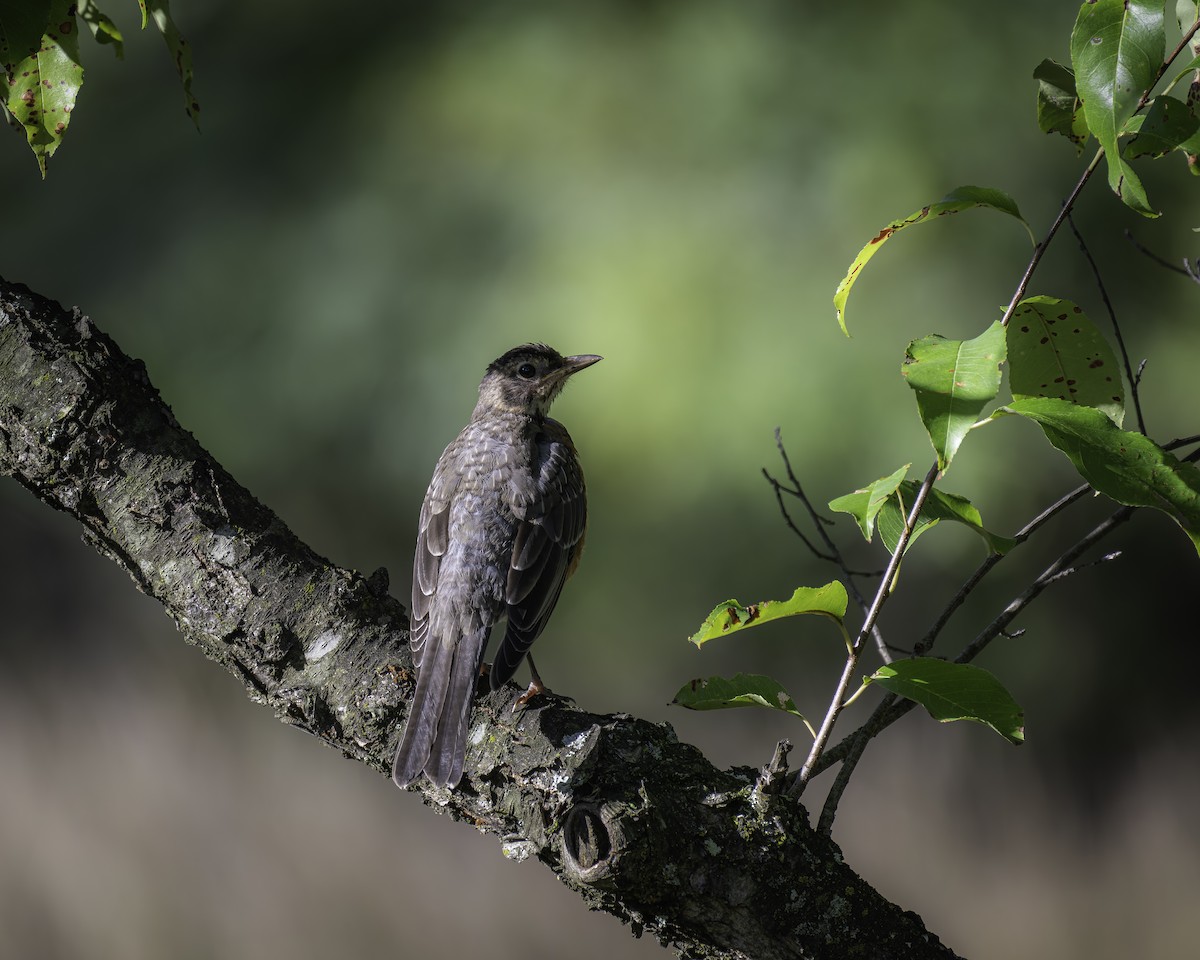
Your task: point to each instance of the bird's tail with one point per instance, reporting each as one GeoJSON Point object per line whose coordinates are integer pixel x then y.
{"type": "Point", "coordinates": [435, 734]}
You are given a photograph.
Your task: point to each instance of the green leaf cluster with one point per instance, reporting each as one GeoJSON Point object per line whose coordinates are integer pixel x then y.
{"type": "Point", "coordinates": [1063, 374]}
{"type": "Point", "coordinates": [1117, 49]}
{"type": "Point", "coordinates": [41, 67]}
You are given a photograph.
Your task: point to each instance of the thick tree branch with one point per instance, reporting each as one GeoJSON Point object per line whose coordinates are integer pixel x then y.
{"type": "Point", "coordinates": [718, 863]}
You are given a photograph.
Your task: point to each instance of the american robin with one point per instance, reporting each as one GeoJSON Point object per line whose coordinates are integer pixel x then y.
{"type": "Point", "coordinates": [501, 529]}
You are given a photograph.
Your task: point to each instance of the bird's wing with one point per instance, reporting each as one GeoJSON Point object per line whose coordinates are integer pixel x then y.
{"type": "Point", "coordinates": [433, 529]}
{"type": "Point", "coordinates": [552, 517]}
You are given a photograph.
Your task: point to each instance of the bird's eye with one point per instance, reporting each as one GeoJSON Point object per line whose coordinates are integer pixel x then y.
{"type": "Point", "coordinates": [526, 371]}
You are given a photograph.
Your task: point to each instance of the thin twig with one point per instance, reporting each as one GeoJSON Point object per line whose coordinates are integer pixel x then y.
{"type": "Point", "coordinates": [925, 644]}
{"type": "Point", "coordinates": [1040, 249]}
{"type": "Point", "coordinates": [1190, 270]}
{"type": "Point", "coordinates": [886, 714]}
{"type": "Point", "coordinates": [820, 522]}
{"type": "Point", "coordinates": [1112, 316]}
{"type": "Point", "coordinates": [881, 595]}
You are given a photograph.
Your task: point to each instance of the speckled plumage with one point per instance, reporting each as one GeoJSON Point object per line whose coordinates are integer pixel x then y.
{"type": "Point", "coordinates": [501, 529]}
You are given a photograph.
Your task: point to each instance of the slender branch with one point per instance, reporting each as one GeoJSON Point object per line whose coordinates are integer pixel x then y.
{"type": "Point", "coordinates": [925, 644]}
{"type": "Point", "coordinates": [1112, 316]}
{"type": "Point", "coordinates": [1056, 570]}
{"type": "Point", "coordinates": [1191, 270]}
{"type": "Point", "coordinates": [881, 596]}
{"type": "Point", "coordinates": [1040, 250]}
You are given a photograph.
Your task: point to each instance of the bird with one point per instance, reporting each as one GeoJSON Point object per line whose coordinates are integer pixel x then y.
{"type": "Point", "coordinates": [500, 530]}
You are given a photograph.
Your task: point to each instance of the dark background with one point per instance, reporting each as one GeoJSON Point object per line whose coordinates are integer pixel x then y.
{"type": "Point", "coordinates": [381, 201]}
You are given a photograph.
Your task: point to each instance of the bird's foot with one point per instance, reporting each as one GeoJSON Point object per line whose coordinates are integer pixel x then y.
{"type": "Point", "coordinates": [535, 688]}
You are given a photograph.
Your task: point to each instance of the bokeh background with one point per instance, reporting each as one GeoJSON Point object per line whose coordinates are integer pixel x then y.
{"type": "Point", "coordinates": [385, 198]}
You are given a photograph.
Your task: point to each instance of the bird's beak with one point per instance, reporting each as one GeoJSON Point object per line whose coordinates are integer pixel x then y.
{"type": "Point", "coordinates": [575, 364]}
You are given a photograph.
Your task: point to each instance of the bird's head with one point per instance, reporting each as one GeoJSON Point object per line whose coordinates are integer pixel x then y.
{"type": "Point", "coordinates": [527, 379]}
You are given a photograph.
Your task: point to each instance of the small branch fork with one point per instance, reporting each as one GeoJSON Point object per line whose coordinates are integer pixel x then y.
{"type": "Point", "coordinates": [1134, 379]}
{"type": "Point", "coordinates": [1190, 268]}
{"type": "Point", "coordinates": [820, 523]}
{"type": "Point", "coordinates": [881, 595]}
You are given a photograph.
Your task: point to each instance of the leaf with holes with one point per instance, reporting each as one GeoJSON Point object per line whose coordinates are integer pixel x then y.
{"type": "Point", "coordinates": [45, 84]}
{"type": "Point", "coordinates": [1116, 49]}
{"type": "Point", "coordinates": [953, 381]}
{"type": "Point", "coordinates": [1168, 125]}
{"type": "Point", "coordinates": [955, 691]}
{"type": "Point", "coordinates": [741, 690]}
{"type": "Point", "coordinates": [1128, 467]}
{"type": "Point", "coordinates": [964, 198]}
{"type": "Point", "coordinates": [866, 502]}
{"type": "Point", "coordinates": [731, 616]}
{"type": "Point", "coordinates": [1054, 350]}
{"type": "Point", "coordinates": [1058, 106]}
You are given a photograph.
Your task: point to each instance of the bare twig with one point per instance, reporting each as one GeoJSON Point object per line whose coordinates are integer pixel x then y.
{"type": "Point", "coordinates": [1190, 269]}
{"type": "Point", "coordinates": [925, 644]}
{"type": "Point", "coordinates": [820, 522]}
{"type": "Point", "coordinates": [1040, 249]}
{"type": "Point", "coordinates": [1112, 316]}
{"type": "Point", "coordinates": [881, 595]}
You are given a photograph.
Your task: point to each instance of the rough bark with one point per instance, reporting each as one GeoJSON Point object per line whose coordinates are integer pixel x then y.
{"type": "Point", "coordinates": [714, 862]}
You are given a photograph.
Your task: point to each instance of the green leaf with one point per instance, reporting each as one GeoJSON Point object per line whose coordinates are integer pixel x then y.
{"type": "Point", "coordinates": [21, 27]}
{"type": "Point", "coordinates": [1128, 467]}
{"type": "Point", "coordinates": [1054, 350]}
{"type": "Point", "coordinates": [1168, 125]}
{"type": "Point", "coordinates": [964, 198]}
{"type": "Point", "coordinates": [103, 29]}
{"type": "Point", "coordinates": [731, 616]}
{"type": "Point", "coordinates": [1059, 109]}
{"type": "Point", "coordinates": [953, 381]}
{"type": "Point", "coordinates": [939, 505]}
{"type": "Point", "coordinates": [742, 690]}
{"type": "Point", "coordinates": [1116, 50]}
{"type": "Point", "coordinates": [40, 89]}
{"type": "Point", "coordinates": [864, 503]}
{"type": "Point", "coordinates": [181, 52]}
{"type": "Point", "coordinates": [955, 691]}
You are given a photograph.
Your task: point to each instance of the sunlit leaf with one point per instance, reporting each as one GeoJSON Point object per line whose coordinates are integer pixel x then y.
{"type": "Point", "coordinates": [45, 84]}
{"type": "Point", "coordinates": [731, 616]}
{"type": "Point", "coordinates": [1128, 467]}
{"type": "Point", "coordinates": [1054, 350]}
{"type": "Point", "coordinates": [955, 691]}
{"type": "Point", "coordinates": [742, 690]}
{"type": "Point", "coordinates": [939, 505]}
{"type": "Point", "coordinates": [103, 29]}
{"type": "Point", "coordinates": [1116, 49]}
{"type": "Point", "coordinates": [953, 381]}
{"type": "Point", "coordinates": [863, 504]}
{"type": "Point", "coordinates": [964, 198]}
